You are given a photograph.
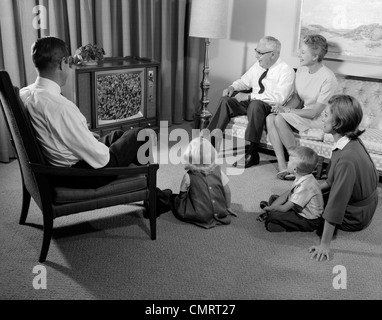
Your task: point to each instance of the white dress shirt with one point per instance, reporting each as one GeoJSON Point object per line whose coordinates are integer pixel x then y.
{"type": "Point", "coordinates": [278, 84]}
{"type": "Point", "coordinates": [61, 128]}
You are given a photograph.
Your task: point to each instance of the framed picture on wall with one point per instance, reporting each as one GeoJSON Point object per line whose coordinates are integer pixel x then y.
{"type": "Point", "coordinates": [353, 28]}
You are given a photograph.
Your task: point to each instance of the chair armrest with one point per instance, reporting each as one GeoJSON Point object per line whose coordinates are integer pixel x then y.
{"type": "Point", "coordinates": [79, 172]}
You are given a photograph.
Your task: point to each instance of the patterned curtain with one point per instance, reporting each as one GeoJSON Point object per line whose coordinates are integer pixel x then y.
{"type": "Point", "coordinates": [157, 29]}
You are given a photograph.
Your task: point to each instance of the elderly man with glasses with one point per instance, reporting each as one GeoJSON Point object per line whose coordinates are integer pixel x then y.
{"type": "Point", "coordinates": [271, 81]}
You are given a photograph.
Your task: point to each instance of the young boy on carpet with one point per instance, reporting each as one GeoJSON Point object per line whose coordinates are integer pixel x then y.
{"type": "Point", "coordinates": [301, 207]}
{"type": "Point", "coordinates": [205, 197]}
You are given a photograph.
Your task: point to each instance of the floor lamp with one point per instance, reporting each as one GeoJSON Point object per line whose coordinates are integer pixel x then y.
{"type": "Point", "coordinates": [209, 20]}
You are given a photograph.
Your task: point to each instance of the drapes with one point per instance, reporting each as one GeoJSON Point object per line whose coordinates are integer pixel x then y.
{"type": "Point", "coordinates": [157, 29]}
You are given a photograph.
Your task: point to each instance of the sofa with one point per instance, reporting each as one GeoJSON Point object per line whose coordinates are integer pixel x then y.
{"type": "Point", "coordinates": [368, 91]}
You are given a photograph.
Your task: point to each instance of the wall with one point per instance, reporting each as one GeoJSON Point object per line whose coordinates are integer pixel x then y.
{"type": "Point", "coordinates": [249, 21]}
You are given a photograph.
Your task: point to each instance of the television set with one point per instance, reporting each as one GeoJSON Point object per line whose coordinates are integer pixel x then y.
{"type": "Point", "coordinates": [117, 93]}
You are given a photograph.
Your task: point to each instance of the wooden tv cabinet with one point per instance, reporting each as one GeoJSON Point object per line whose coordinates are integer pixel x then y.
{"type": "Point", "coordinates": [81, 89]}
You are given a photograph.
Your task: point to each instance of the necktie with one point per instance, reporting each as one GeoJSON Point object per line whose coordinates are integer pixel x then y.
{"type": "Point", "coordinates": [261, 79]}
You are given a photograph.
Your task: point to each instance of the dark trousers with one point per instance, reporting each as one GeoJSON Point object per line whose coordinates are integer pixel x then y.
{"type": "Point", "coordinates": [229, 107]}
{"type": "Point", "coordinates": [123, 148]}
{"type": "Point", "coordinates": [289, 221]}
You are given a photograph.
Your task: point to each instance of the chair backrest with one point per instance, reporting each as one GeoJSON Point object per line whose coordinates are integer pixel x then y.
{"type": "Point", "coordinates": [23, 135]}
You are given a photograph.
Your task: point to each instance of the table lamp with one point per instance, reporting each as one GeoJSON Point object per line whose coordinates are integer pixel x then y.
{"type": "Point", "coordinates": [209, 20]}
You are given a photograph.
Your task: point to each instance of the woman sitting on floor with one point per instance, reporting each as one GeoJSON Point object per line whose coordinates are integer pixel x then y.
{"type": "Point", "coordinates": [352, 177]}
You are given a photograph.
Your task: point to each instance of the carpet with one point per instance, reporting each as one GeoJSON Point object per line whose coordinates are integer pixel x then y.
{"type": "Point", "coordinates": [107, 254]}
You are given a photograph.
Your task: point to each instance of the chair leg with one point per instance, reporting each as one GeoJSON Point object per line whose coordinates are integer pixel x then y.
{"type": "Point", "coordinates": [48, 230]}
{"type": "Point", "coordinates": [152, 184]}
{"type": "Point", "coordinates": [153, 214]}
{"type": "Point", "coordinates": [25, 206]}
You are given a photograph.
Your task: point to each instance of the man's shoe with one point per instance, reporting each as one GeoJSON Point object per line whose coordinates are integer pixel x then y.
{"type": "Point", "coordinates": [251, 159]}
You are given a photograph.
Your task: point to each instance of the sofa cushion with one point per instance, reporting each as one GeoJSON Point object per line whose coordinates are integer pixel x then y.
{"type": "Point", "coordinates": [312, 134]}
{"type": "Point", "coordinates": [243, 120]}
{"type": "Point", "coordinates": [377, 159]}
{"type": "Point", "coordinates": [326, 152]}
{"type": "Point", "coordinates": [372, 139]}
{"type": "Point", "coordinates": [239, 124]}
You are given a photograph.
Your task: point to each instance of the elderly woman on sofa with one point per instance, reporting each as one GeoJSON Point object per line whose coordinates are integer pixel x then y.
{"type": "Point", "coordinates": [314, 85]}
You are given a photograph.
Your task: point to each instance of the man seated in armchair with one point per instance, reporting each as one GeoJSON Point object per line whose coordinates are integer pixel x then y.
{"type": "Point", "coordinates": [61, 128]}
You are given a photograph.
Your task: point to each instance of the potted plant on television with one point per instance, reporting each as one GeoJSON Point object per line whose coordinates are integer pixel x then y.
{"type": "Point", "coordinates": [89, 55]}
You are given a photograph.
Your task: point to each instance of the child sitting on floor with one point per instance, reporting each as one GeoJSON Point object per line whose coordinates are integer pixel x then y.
{"type": "Point", "coordinates": [205, 197]}
{"type": "Point", "coordinates": [301, 207]}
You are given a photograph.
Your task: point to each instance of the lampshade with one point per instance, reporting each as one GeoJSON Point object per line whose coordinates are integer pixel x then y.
{"type": "Point", "coordinates": [209, 19]}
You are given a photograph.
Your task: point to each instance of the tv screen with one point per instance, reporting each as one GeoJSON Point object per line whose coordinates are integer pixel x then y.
{"type": "Point", "coordinates": [120, 95]}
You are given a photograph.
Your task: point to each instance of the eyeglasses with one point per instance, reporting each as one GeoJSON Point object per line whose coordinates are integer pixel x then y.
{"type": "Point", "coordinates": [262, 53]}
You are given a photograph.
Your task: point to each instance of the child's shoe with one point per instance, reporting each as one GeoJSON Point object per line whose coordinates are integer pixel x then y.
{"type": "Point", "coordinates": [263, 204]}
{"type": "Point", "coordinates": [262, 217]}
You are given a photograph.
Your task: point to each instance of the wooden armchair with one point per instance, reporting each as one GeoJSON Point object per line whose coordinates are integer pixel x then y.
{"type": "Point", "coordinates": [132, 184]}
